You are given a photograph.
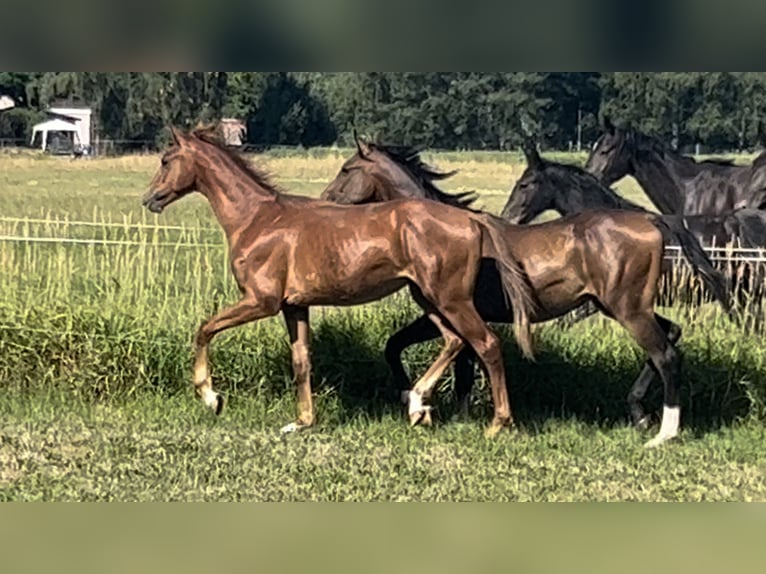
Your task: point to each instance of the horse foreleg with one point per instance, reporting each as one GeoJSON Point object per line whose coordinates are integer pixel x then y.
{"type": "Point", "coordinates": [243, 312]}
{"type": "Point", "coordinates": [297, 319]}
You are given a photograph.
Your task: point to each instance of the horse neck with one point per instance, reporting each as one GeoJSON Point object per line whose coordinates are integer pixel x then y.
{"type": "Point", "coordinates": [235, 197]}
{"type": "Point", "coordinates": [583, 194]}
{"type": "Point", "coordinates": [397, 183]}
{"type": "Point", "coordinates": [663, 180]}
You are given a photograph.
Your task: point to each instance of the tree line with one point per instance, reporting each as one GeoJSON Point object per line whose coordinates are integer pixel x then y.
{"type": "Point", "coordinates": [445, 110]}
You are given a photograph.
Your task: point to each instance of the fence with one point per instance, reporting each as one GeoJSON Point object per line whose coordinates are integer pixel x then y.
{"type": "Point", "coordinates": [102, 147]}
{"type": "Point", "coordinates": [725, 254]}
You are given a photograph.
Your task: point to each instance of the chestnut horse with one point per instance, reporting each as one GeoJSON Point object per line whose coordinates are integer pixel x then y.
{"type": "Point", "coordinates": [288, 253]}
{"type": "Point", "coordinates": [610, 258]}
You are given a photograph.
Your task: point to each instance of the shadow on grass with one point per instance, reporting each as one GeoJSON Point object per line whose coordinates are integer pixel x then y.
{"type": "Point", "coordinates": [593, 389]}
{"type": "Point", "coordinates": [583, 373]}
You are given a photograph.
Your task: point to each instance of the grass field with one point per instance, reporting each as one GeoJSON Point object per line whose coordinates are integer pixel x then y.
{"type": "Point", "coordinates": [95, 362]}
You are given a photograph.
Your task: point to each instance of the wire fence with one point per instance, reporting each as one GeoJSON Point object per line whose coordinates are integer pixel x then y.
{"type": "Point", "coordinates": [722, 254]}
{"type": "Point", "coordinates": [101, 147]}
{"type": "Point", "coordinates": [104, 242]}
{"type": "Point", "coordinates": [106, 224]}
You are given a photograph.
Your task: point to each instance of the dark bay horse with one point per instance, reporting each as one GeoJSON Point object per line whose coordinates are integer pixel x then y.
{"type": "Point", "coordinates": [288, 253]}
{"type": "Point", "coordinates": [676, 184]}
{"type": "Point", "coordinates": [393, 172]}
{"type": "Point", "coordinates": [611, 258]}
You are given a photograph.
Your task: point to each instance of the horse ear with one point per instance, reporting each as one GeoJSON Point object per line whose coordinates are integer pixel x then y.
{"type": "Point", "coordinates": [630, 133]}
{"type": "Point", "coordinates": [534, 160]}
{"type": "Point", "coordinates": [609, 126]}
{"type": "Point", "coordinates": [178, 136]}
{"type": "Point", "coordinates": [760, 133]}
{"type": "Point", "coordinates": [361, 148]}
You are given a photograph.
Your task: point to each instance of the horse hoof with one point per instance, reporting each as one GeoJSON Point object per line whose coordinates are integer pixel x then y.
{"type": "Point", "coordinates": [213, 401]}
{"type": "Point", "coordinates": [644, 423]}
{"type": "Point", "coordinates": [657, 442]}
{"type": "Point", "coordinates": [496, 428]}
{"type": "Point", "coordinates": [293, 428]}
{"type": "Point", "coordinates": [421, 417]}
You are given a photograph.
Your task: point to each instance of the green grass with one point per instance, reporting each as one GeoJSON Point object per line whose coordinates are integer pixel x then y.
{"type": "Point", "coordinates": [95, 361]}
{"type": "Point", "coordinates": [167, 449]}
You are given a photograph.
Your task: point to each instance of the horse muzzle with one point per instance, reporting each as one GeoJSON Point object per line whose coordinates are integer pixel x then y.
{"type": "Point", "coordinates": [157, 201]}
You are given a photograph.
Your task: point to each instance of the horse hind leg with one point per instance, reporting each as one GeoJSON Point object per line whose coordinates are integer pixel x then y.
{"type": "Point", "coordinates": [419, 413]}
{"type": "Point", "coordinates": [464, 378]}
{"type": "Point", "coordinates": [637, 393]}
{"type": "Point", "coordinates": [297, 321]}
{"type": "Point", "coordinates": [425, 329]}
{"type": "Point", "coordinates": [647, 330]}
{"type": "Point", "coordinates": [467, 322]}
{"type": "Point", "coordinates": [421, 330]}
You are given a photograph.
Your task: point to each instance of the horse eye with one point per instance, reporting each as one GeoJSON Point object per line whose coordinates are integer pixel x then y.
{"type": "Point", "coordinates": [164, 161]}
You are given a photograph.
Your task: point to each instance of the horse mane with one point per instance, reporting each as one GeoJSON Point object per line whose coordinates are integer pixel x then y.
{"type": "Point", "coordinates": [760, 161]}
{"type": "Point", "coordinates": [211, 135]}
{"type": "Point", "coordinates": [648, 142]}
{"type": "Point", "coordinates": [408, 158]}
{"type": "Point", "coordinates": [585, 180]}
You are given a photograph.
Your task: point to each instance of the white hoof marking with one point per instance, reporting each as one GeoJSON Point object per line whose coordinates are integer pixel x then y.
{"type": "Point", "coordinates": [416, 403]}
{"type": "Point", "coordinates": [671, 418]}
{"type": "Point", "coordinates": [210, 398]}
{"type": "Point", "coordinates": [293, 428]}
{"type": "Point", "coordinates": [290, 429]}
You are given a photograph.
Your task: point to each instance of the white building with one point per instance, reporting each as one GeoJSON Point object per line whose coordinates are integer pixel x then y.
{"type": "Point", "coordinates": [73, 122]}
{"type": "Point", "coordinates": [6, 103]}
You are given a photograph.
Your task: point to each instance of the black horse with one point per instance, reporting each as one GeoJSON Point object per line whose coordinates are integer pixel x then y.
{"type": "Point", "coordinates": [568, 189]}
{"type": "Point", "coordinates": [676, 184]}
{"type": "Point", "coordinates": [756, 196]}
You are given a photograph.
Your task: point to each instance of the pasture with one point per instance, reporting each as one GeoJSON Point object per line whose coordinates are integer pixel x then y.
{"type": "Point", "coordinates": [95, 366]}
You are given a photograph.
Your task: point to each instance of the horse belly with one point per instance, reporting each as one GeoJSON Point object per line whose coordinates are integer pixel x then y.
{"type": "Point", "coordinates": [343, 294]}
{"type": "Point", "coordinates": [558, 285]}
{"type": "Point", "coordinates": [334, 280]}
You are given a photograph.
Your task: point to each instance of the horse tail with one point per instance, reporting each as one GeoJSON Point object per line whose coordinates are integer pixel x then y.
{"type": "Point", "coordinates": [516, 286]}
{"type": "Point", "coordinates": [674, 227]}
